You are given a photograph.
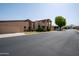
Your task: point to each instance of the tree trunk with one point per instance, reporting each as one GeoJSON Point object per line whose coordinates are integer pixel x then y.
{"type": "Point", "coordinates": [60, 28]}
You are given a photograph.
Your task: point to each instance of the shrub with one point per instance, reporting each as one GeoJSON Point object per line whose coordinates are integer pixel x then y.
{"type": "Point", "coordinates": [48, 29]}
{"type": "Point", "coordinates": [39, 29]}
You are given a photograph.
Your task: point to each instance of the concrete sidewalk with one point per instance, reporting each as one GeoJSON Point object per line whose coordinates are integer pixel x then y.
{"type": "Point", "coordinates": [11, 35]}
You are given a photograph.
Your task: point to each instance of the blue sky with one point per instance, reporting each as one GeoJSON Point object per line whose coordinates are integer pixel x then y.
{"type": "Point", "coordinates": [36, 11]}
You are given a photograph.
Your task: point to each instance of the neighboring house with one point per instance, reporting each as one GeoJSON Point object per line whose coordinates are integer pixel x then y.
{"type": "Point", "coordinates": [56, 27]}
{"type": "Point", "coordinates": [13, 26]}
{"type": "Point", "coordinates": [76, 27]}
{"type": "Point", "coordinates": [68, 27]}
{"type": "Point", "coordinates": [44, 24]}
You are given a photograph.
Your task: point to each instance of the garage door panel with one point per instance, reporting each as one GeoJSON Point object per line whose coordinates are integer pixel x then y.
{"type": "Point", "coordinates": [9, 29]}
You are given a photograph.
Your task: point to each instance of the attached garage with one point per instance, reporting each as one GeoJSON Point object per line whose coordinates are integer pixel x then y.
{"type": "Point", "coordinates": [13, 26]}
{"type": "Point", "coordinates": [9, 29]}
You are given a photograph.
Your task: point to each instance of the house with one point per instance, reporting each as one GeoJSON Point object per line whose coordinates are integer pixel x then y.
{"type": "Point", "coordinates": [13, 26]}
{"type": "Point", "coordinates": [76, 27]}
{"type": "Point", "coordinates": [56, 27]}
{"type": "Point", "coordinates": [44, 24]}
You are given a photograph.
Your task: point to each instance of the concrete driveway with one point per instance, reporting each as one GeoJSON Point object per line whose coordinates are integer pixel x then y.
{"type": "Point", "coordinates": [59, 43]}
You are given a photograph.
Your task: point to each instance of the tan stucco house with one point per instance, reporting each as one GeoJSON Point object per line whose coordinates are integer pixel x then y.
{"type": "Point", "coordinates": [45, 24]}
{"type": "Point", "coordinates": [13, 26]}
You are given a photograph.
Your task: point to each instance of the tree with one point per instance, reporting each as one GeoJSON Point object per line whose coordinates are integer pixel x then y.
{"type": "Point", "coordinates": [60, 21]}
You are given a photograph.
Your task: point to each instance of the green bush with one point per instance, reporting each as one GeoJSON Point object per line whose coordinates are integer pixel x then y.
{"type": "Point", "coordinates": [39, 29]}
{"type": "Point", "coordinates": [48, 29]}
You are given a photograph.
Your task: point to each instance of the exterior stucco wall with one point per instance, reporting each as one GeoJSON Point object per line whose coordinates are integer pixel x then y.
{"type": "Point", "coordinates": [45, 23]}
{"type": "Point", "coordinates": [21, 26]}
{"type": "Point", "coordinates": [36, 25]}
{"type": "Point", "coordinates": [11, 27]}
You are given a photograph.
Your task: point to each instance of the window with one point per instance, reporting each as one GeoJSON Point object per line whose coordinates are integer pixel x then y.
{"type": "Point", "coordinates": [47, 27]}
{"type": "Point", "coordinates": [43, 27]}
{"type": "Point", "coordinates": [24, 28]}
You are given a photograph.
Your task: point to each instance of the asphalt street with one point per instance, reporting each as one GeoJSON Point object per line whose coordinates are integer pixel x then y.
{"type": "Point", "coordinates": [57, 43]}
